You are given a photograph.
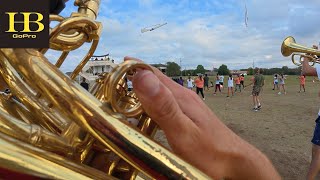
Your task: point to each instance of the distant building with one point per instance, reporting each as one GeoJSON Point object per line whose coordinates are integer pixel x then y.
{"type": "Point", "coordinates": [236, 72]}
{"type": "Point", "coordinates": [97, 65]}
{"type": "Point", "coordinates": [211, 73]}
{"type": "Point", "coordinates": [161, 67]}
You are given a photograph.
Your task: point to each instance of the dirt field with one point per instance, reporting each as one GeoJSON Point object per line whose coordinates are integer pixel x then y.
{"type": "Point", "coordinates": [282, 129]}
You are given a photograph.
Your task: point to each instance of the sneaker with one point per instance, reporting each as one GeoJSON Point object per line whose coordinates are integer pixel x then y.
{"type": "Point", "coordinates": [279, 93]}
{"type": "Point", "coordinates": [272, 89]}
{"type": "Point", "coordinates": [259, 107]}
{"type": "Point", "coordinates": [227, 96]}
{"type": "Point", "coordinates": [204, 98]}
{"type": "Point", "coordinates": [255, 109]}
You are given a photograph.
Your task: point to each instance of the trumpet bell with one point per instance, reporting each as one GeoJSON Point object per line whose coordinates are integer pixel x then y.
{"type": "Point", "coordinates": [290, 47]}
{"type": "Point", "coordinates": [285, 47]}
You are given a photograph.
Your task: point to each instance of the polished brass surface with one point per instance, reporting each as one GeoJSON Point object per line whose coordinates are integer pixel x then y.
{"type": "Point", "coordinates": [290, 47]}
{"type": "Point", "coordinates": [17, 156]}
{"type": "Point", "coordinates": [75, 133]}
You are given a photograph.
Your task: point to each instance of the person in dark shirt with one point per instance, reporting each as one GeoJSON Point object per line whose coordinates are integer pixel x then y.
{"type": "Point", "coordinates": [206, 82]}
{"type": "Point", "coordinates": [84, 84]}
{"type": "Point", "coordinates": [258, 83]}
{"type": "Point", "coordinates": [180, 81]}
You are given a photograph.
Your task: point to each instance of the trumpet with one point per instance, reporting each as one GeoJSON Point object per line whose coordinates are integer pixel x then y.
{"type": "Point", "coordinates": [290, 47]}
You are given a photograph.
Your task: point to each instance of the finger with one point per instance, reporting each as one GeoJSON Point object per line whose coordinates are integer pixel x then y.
{"type": "Point", "coordinates": [188, 100]}
{"type": "Point", "coordinates": [159, 103]}
{"type": "Point", "coordinates": [184, 97]}
{"type": "Point", "coordinates": [165, 79]}
{"type": "Point", "coordinates": [173, 86]}
{"type": "Point", "coordinates": [131, 58]}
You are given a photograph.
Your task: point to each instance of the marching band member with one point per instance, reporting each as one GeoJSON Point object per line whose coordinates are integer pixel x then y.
{"type": "Point", "coordinates": [315, 162]}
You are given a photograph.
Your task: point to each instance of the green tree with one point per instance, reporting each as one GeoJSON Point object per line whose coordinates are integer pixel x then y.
{"type": "Point", "coordinates": [188, 72]}
{"type": "Point", "coordinates": [200, 69]}
{"type": "Point", "coordinates": [223, 70]}
{"type": "Point", "coordinates": [285, 69]}
{"type": "Point", "coordinates": [173, 69]}
{"type": "Point", "coordinates": [250, 71]}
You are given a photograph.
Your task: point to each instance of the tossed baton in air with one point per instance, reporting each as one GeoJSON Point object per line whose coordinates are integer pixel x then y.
{"type": "Point", "coordinates": [151, 28]}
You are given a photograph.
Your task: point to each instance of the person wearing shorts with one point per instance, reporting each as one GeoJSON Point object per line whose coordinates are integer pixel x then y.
{"type": "Point", "coordinates": [275, 82]}
{"type": "Point", "coordinates": [316, 134]}
{"type": "Point", "coordinates": [206, 82]}
{"type": "Point", "coordinates": [282, 84]}
{"type": "Point", "coordinates": [199, 85]}
{"type": "Point", "coordinates": [221, 78]}
{"type": "Point", "coordinates": [238, 83]}
{"type": "Point", "coordinates": [315, 162]}
{"type": "Point", "coordinates": [302, 82]}
{"type": "Point", "coordinates": [190, 83]}
{"type": "Point", "coordinates": [217, 85]}
{"type": "Point", "coordinates": [230, 85]}
{"type": "Point", "coordinates": [258, 83]}
{"type": "Point", "coordinates": [256, 91]}
{"type": "Point", "coordinates": [242, 81]}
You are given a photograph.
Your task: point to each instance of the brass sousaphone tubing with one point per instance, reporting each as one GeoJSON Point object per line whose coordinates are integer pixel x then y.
{"type": "Point", "coordinates": [88, 112]}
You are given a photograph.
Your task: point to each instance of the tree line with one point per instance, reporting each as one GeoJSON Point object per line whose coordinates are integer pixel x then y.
{"type": "Point", "coordinates": [173, 69]}
{"type": "Point", "coordinates": [270, 71]}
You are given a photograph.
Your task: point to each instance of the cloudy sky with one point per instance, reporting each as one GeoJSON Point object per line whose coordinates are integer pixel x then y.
{"type": "Point", "coordinates": [207, 32]}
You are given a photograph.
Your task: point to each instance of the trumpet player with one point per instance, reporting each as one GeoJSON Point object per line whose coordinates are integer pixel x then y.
{"type": "Point", "coordinates": [315, 162]}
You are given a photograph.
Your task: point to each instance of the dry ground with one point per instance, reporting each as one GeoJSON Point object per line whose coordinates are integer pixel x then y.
{"type": "Point", "coordinates": [282, 129]}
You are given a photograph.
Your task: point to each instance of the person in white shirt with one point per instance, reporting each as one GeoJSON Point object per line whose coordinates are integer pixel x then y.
{"type": "Point", "coordinates": [230, 85]}
{"type": "Point", "coordinates": [218, 85]}
{"type": "Point", "coordinates": [129, 84]}
{"type": "Point", "coordinates": [282, 84]}
{"type": "Point", "coordinates": [275, 82]}
{"type": "Point", "coordinates": [221, 78]}
{"type": "Point", "coordinates": [315, 162]}
{"type": "Point", "coordinates": [190, 83]}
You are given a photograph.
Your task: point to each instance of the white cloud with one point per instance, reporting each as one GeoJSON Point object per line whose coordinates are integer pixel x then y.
{"type": "Point", "coordinates": [210, 33]}
{"type": "Point", "coordinates": [268, 56]}
{"type": "Point", "coordinates": [145, 3]}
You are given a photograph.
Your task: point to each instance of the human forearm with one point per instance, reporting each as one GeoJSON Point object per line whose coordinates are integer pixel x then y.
{"type": "Point", "coordinates": [195, 133]}
{"type": "Point", "coordinates": [233, 158]}
{"type": "Point", "coordinates": [252, 164]}
{"type": "Point", "coordinates": [307, 69]}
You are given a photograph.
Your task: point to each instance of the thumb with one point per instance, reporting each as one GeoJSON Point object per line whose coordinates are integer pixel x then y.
{"type": "Point", "coordinates": [158, 102]}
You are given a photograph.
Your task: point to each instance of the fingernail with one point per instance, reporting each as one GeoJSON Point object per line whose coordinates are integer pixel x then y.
{"type": "Point", "coordinates": [146, 83]}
